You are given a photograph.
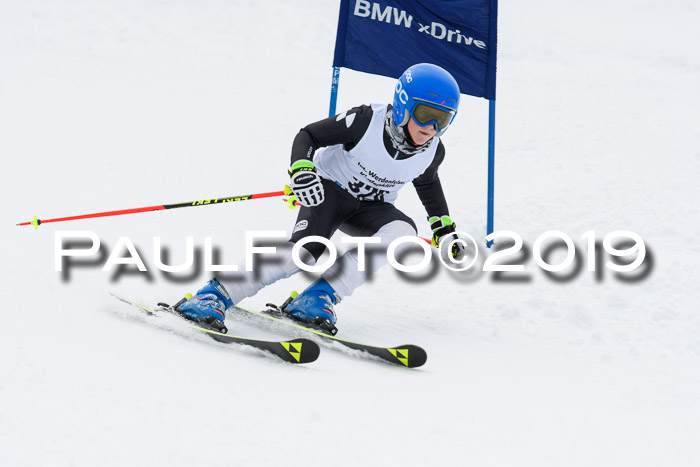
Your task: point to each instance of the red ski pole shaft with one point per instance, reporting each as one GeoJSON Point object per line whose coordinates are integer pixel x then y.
{"type": "Point", "coordinates": [204, 202]}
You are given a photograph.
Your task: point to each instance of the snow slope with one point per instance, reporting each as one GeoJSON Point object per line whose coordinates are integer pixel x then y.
{"type": "Point", "coordinates": [109, 105]}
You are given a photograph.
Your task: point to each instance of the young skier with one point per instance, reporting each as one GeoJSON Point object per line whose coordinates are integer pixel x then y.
{"type": "Point", "coordinates": [369, 153]}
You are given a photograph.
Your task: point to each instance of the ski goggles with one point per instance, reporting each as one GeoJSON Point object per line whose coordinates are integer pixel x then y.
{"type": "Point", "coordinates": [425, 113]}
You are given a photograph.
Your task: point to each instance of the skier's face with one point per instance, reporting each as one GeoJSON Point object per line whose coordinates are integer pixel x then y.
{"type": "Point", "coordinates": [420, 134]}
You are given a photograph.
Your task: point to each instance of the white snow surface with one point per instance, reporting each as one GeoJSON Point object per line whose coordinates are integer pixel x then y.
{"type": "Point", "coordinates": [117, 104]}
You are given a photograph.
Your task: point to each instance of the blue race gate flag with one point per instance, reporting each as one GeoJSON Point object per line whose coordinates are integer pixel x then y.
{"type": "Point", "coordinates": [385, 37]}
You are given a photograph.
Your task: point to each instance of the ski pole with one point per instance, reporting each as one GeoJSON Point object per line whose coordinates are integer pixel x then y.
{"type": "Point", "coordinates": [204, 202]}
{"type": "Point", "coordinates": [292, 203]}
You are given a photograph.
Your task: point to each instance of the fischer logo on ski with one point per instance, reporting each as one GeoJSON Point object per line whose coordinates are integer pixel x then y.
{"type": "Point", "coordinates": [400, 354]}
{"type": "Point", "coordinates": [295, 346]}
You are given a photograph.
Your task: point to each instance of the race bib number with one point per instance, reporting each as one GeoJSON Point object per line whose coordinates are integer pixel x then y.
{"type": "Point", "coordinates": [364, 192]}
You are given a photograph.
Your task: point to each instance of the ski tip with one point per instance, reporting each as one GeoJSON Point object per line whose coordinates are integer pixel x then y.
{"type": "Point", "coordinates": [409, 355]}
{"type": "Point", "coordinates": [302, 350]}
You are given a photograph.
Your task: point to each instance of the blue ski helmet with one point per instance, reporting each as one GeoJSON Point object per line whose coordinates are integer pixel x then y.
{"type": "Point", "coordinates": [428, 94]}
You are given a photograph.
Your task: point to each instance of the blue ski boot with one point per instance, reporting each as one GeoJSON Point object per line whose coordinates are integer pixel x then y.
{"type": "Point", "coordinates": [314, 307]}
{"type": "Point", "coordinates": [207, 305]}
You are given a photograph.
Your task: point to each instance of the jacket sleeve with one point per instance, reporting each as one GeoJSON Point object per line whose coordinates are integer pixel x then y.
{"type": "Point", "coordinates": [346, 128]}
{"type": "Point", "coordinates": [429, 188]}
